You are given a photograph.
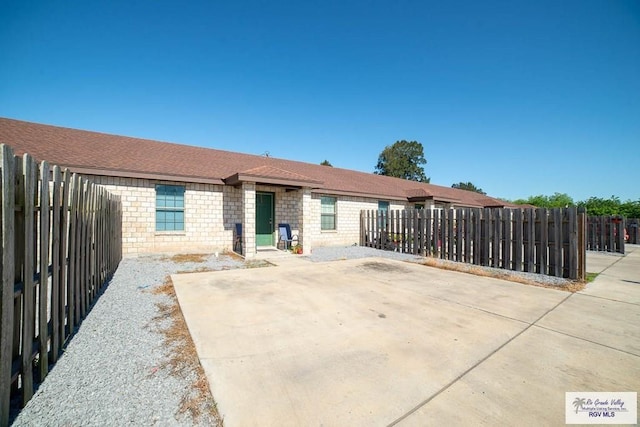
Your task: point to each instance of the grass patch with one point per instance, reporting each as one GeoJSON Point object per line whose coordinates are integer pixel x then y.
{"type": "Point", "coordinates": [591, 277]}
{"type": "Point", "coordinates": [183, 358]}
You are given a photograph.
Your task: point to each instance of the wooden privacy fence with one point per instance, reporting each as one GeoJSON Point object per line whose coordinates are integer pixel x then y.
{"type": "Point", "coordinates": [633, 230]}
{"type": "Point", "coordinates": [606, 234]}
{"type": "Point", "coordinates": [61, 242]}
{"type": "Point", "coordinates": [544, 241]}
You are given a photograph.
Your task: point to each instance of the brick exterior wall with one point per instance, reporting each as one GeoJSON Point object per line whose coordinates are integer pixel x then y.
{"type": "Point", "coordinates": [206, 226]}
{"type": "Point", "coordinates": [348, 209]}
{"type": "Point", "coordinates": [211, 212]}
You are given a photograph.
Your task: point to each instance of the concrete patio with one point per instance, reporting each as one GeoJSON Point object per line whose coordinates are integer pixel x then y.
{"type": "Point", "coordinates": [381, 342]}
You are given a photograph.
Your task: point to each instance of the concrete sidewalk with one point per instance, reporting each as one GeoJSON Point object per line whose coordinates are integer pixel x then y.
{"type": "Point", "coordinates": [381, 342]}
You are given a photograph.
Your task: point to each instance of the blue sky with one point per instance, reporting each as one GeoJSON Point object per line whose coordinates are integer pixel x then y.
{"type": "Point", "coordinates": [519, 97]}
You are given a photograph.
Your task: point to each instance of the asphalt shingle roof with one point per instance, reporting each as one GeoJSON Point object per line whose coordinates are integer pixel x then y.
{"type": "Point", "coordinates": [126, 156]}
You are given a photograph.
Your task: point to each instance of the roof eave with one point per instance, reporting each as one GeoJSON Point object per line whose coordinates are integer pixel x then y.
{"type": "Point", "coordinates": [143, 175]}
{"type": "Point", "coordinates": [239, 178]}
{"type": "Point", "coordinates": [357, 194]}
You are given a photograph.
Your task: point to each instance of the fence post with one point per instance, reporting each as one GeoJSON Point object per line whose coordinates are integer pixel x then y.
{"type": "Point", "coordinates": [582, 244]}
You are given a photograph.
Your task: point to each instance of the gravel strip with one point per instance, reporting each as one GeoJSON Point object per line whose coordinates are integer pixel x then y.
{"type": "Point", "coordinates": [335, 253]}
{"type": "Point", "coordinates": [109, 374]}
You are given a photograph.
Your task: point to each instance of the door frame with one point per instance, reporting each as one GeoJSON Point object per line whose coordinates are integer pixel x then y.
{"type": "Point", "coordinates": [260, 242]}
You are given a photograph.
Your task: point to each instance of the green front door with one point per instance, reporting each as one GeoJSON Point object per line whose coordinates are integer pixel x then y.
{"type": "Point", "coordinates": [264, 219]}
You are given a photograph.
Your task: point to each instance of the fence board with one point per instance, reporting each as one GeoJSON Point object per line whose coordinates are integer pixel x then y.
{"type": "Point", "coordinates": [582, 243]}
{"type": "Point", "coordinates": [417, 240]}
{"type": "Point", "coordinates": [55, 261]}
{"type": "Point", "coordinates": [28, 190]}
{"type": "Point", "coordinates": [63, 331]}
{"type": "Point", "coordinates": [543, 248]}
{"type": "Point", "coordinates": [459, 227]}
{"type": "Point", "coordinates": [518, 242]}
{"type": "Point", "coordinates": [557, 243]}
{"type": "Point", "coordinates": [529, 244]}
{"type": "Point", "coordinates": [506, 240]}
{"type": "Point", "coordinates": [497, 238]}
{"type": "Point", "coordinates": [7, 205]}
{"type": "Point", "coordinates": [428, 232]}
{"type": "Point", "coordinates": [43, 285]}
{"type": "Point", "coordinates": [477, 236]}
{"type": "Point", "coordinates": [436, 234]}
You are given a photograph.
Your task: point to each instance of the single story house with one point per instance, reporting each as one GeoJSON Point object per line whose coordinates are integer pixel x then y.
{"type": "Point", "coordinates": [184, 198]}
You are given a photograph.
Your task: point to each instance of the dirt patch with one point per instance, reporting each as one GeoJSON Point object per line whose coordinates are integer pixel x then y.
{"type": "Point", "coordinates": [570, 286]}
{"type": "Point", "coordinates": [196, 401]}
{"type": "Point", "coordinates": [382, 267]}
{"type": "Point", "coordinates": [180, 258]}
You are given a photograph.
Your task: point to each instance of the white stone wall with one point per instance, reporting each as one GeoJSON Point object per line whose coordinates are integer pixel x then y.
{"type": "Point", "coordinates": [248, 219]}
{"type": "Point", "coordinates": [211, 212]}
{"type": "Point", "coordinates": [205, 227]}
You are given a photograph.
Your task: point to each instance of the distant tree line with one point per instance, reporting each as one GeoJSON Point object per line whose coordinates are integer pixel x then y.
{"type": "Point", "coordinates": [405, 159]}
{"type": "Point", "coordinates": [596, 206]}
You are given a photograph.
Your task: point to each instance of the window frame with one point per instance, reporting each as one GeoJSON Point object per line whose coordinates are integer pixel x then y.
{"type": "Point", "coordinates": [172, 202]}
{"type": "Point", "coordinates": [384, 202]}
{"type": "Point", "coordinates": [334, 215]}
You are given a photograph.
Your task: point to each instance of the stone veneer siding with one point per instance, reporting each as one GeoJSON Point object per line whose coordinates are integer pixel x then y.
{"type": "Point", "coordinates": [211, 212]}
{"type": "Point", "coordinates": [208, 227]}
{"type": "Point", "coordinates": [348, 210]}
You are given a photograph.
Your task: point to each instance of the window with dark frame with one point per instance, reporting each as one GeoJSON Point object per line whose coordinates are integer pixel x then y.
{"type": "Point", "coordinates": [169, 207]}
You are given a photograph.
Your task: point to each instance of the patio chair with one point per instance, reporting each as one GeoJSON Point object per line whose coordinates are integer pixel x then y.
{"type": "Point", "coordinates": [284, 231]}
{"type": "Point", "coordinates": [237, 240]}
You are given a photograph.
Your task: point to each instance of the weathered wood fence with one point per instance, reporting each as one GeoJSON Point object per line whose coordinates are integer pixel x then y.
{"type": "Point", "coordinates": [61, 242]}
{"type": "Point", "coordinates": [544, 241]}
{"type": "Point", "coordinates": [606, 234]}
{"type": "Point", "coordinates": [633, 230]}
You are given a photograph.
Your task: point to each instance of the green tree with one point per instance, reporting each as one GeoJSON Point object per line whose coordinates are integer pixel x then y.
{"type": "Point", "coordinates": [468, 186]}
{"type": "Point", "coordinates": [597, 206]}
{"type": "Point", "coordinates": [630, 209]}
{"type": "Point", "coordinates": [326, 163]}
{"type": "Point", "coordinates": [403, 159]}
{"type": "Point", "coordinates": [557, 200]}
